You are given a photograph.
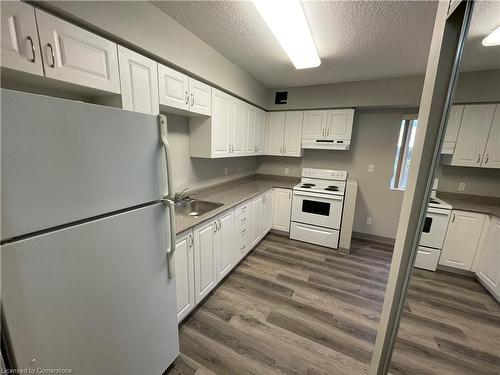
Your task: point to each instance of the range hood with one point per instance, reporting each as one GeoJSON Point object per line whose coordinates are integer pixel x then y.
{"type": "Point", "coordinates": [326, 144]}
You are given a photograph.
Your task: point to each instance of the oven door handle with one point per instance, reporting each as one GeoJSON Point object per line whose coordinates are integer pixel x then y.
{"type": "Point", "coordinates": [317, 195]}
{"type": "Point", "coordinates": [438, 211]}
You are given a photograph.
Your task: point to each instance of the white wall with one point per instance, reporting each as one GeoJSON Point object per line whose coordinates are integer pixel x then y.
{"type": "Point", "coordinates": [193, 173]}
{"type": "Point", "coordinates": [374, 138]}
{"type": "Point", "coordinates": [142, 25]}
{"type": "Point", "coordinates": [478, 181]}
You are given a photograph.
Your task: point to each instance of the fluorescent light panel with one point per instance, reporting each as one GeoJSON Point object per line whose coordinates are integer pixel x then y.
{"type": "Point", "coordinates": [288, 23]}
{"type": "Point", "coordinates": [493, 39]}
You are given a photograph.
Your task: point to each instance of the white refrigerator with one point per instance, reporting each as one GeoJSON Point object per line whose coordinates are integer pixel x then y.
{"type": "Point", "coordinates": [86, 238]}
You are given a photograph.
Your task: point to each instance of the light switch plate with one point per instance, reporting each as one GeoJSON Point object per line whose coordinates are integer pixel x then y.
{"type": "Point", "coordinates": [287, 170]}
{"type": "Point", "coordinates": [371, 167]}
{"type": "Point", "coordinates": [461, 186]}
{"type": "Point", "coordinates": [369, 220]}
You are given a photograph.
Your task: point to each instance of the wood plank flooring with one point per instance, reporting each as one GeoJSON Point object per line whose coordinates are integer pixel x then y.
{"type": "Point", "coordinates": [296, 308]}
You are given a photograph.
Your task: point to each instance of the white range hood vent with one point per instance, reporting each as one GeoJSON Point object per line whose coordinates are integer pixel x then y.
{"type": "Point", "coordinates": [326, 144]}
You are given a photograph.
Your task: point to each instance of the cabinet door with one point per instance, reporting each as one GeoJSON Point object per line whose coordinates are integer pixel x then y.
{"type": "Point", "coordinates": [257, 225]}
{"type": "Point", "coordinates": [184, 274]}
{"type": "Point", "coordinates": [74, 55]}
{"type": "Point", "coordinates": [267, 213]}
{"type": "Point", "coordinates": [222, 115]}
{"type": "Point", "coordinates": [262, 131]}
{"type": "Point", "coordinates": [293, 133]}
{"type": "Point", "coordinates": [237, 136]}
{"type": "Point", "coordinates": [139, 82]}
{"type": "Point", "coordinates": [488, 269]}
{"type": "Point", "coordinates": [173, 88]}
{"type": "Point", "coordinates": [275, 133]}
{"type": "Point", "coordinates": [339, 124]}
{"type": "Point", "coordinates": [492, 153]}
{"type": "Point", "coordinates": [282, 209]}
{"type": "Point", "coordinates": [205, 259]}
{"type": "Point", "coordinates": [452, 127]}
{"type": "Point", "coordinates": [200, 97]}
{"type": "Point", "coordinates": [250, 127]}
{"type": "Point", "coordinates": [20, 46]}
{"type": "Point", "coordinates": [473, 135]}
{"type": "Point", "coordinates": [314, 126]}
{"type": "Point", "coordinates": [225, 244]}
{"type": "Point", "coordinates": [461, 240]}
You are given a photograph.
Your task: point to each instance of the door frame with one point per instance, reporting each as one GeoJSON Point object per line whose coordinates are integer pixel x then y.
{"type": "Point", "coordinates": [445, 54]}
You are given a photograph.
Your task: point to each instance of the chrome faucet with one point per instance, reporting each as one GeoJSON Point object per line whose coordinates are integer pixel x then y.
{"type": "Point", "coordinates": [178, 197]}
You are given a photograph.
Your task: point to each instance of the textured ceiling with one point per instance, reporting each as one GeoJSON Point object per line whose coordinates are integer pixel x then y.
{"type": "Point", "coordinates": [356, 40]}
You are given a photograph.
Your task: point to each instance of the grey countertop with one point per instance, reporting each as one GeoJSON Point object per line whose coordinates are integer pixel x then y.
{"type": "Point", "coordinates": [231, 194]}
{"type": "Point", "coordinates": [475, 203]}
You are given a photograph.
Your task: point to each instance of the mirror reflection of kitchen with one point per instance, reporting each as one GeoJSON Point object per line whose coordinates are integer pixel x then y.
{"type": "Point", "coordinates": [451, 321]}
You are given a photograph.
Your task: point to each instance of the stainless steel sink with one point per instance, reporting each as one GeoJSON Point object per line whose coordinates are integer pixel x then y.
{"type": "Point", "coordinates": [195, 207]}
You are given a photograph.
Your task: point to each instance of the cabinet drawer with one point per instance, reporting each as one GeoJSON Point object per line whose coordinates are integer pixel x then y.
{"type": "Point", "coordinates": [317, 235]}
{"type": "Point", "coordinates": [242, 209]}
{"type": "Point", "coordinates": [243, 220]}
{"type": "Point", "coordinates": [427, 258]}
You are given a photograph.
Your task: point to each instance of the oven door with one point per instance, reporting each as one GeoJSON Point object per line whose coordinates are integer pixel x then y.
{"type": "Point", "coordinates": [317, 209]}
{"type": "Point", "coordinates": [435, 227]}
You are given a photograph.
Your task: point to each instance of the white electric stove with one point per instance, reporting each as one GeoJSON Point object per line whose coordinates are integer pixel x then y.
{"type": "Point", "coordinates": [317, 206]}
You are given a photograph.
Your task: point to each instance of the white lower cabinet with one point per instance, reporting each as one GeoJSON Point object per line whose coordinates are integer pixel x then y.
{"type": "Point", "coordinates": [242, 230]}
{"type": "Point", "coordinates": [488, 265]}
{"type": "Point", "coordinates": [267, 213]}
{"type": "Point", "coordinates": [262, 216]}
{"type": "Point", "coordinates": [205, 259]}
{"type": "Point", "coordinates": [282, 209]}
{"type": "Point", "coordinates": [462, 239]}
{"type": "Point", "coordinates": [184, 274]}
{"type": "Point", "coordinates": [224, 244]}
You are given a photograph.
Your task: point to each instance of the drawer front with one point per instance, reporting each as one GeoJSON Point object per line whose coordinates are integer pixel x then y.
{"type": "Point", "coordinates": [242, 209]}
{"type": "Point", "coordinates": [427, 258]}
{"type": "Point", "coordinates": [317, 235]}
{"type": "Point", "coordinates": [243, 220]}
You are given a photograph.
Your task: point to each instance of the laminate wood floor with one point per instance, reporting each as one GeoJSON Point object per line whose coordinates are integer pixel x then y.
{"type": "Point", "coordinates": [296, 308]}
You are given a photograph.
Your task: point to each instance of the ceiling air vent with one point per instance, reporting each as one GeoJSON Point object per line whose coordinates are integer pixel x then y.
{"type": "Point", "coordinates": [281, 97]}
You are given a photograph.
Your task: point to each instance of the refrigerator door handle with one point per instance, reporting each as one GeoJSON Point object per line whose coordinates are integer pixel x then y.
{"type": "Point", "coordinates": [166, 147]}
{"type": "Point", "coordinates": [171, 250]}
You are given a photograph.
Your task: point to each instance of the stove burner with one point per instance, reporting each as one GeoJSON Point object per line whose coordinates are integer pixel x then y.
{"type": "Point", "coordinates": [434, 201]}
{"type": "Point", "coordinates": [308, 184]}
{"type": "Point", "coordinates": [332, 188]}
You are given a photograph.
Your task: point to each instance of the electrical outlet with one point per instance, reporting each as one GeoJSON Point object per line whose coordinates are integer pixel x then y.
{"type": "Point", "coordinates": [461, 186]}
{"type": "Point", "coordinates": [287, 170]}
{"type": "Point", "coordinates": [371, 167]}
{"type": "Point", "coordinates": [369, 220]}
{"type": "Point", "coordinates": [225, 171]}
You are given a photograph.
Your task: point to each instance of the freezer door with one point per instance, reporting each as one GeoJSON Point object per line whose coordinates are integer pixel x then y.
{"type": "Point", "coordinates": [94, 298]}
{"type": "Point", "coordinates": [64, 161]}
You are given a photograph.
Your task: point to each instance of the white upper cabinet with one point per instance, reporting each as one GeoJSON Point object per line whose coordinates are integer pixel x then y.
{"type": "Point", "coordinates": [492, 152]}
{"type": "Point", "coordinates": [339, 125]}
{"type": "Point", "coordinates": [200, 97]}
{"type": "Point", "coordinates": [261, 131]}
{"type": "Point", "coordinates": [452, 127]}
{"type": "Point", "coordinates": [250, 129]}
{"type": "Point", "coordinates": [184, 274]}
{"type": "Point", "coordinates": [282, 209]}
{"type": "Point", "coordinates": [72, 54]}
{"type": "Point", "coordinates": [173, 88]}
{"type": "Point", "coordinates": [462, 239]}
{"type": "Point", "coordinates": [314, 125]}
{"type": "Point", "coordinates": [292, 144]}
{"type": "Point", "coordinates": [222, 116]}
{"type": "Point", "coordinates": [20, 46]}
{"type": "Point", "coordinates": [488, 265]}
{"type": "Point", "coordinates": [139, 82]}
{"type": "Point", "coordinates": [275, 133]}
{"type": "Point", "coordinates": [473, 135]}
{"type": "Point", "coordinates": [237, 129]}
{"type": "Point", "coordinates": [182, 94]}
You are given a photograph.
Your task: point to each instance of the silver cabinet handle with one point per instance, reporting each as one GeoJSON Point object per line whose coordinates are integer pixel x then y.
{"type": "Point", "coordinates": [28, 38]}
{"type": "Point", "coordinates": [190, 241]}
{"type": "Point", "coordinates": [171, 250]}
{"type": "Point", "coordinates": [51, 55]}
{"type": "Point", "coordinates": [243, 220]}
{"type": "Point", "coordinates": [215, 226]}
{"type": "Point", "coordinates": [192, 100]}
{"type": "Point", "coordinates": [243, 231]}
{"type": "Point", "coordinates": [487, 159]}
{"type": "Point", "coordinates": [453, 218]}
{"type": "Point", "coordinates": [323, 132]}
{"type": "Point", "coordinates": [289, 195]}
{"type": "Point", "coordinates": [478, 158]}
{"type": "Point", "coordinates": [327, 132]}
{"type": "Point", "coordinates": [186, 99]}
{"type": "Point", "coordinates": [220, 224]}
{"type": "Point", "coordinates": [166, 147]}
{"type": "Point", "coordinates": [243, 247]}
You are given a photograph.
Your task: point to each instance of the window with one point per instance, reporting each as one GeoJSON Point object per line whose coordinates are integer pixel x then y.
{"type": "Point", "coordinates": [404, 152]}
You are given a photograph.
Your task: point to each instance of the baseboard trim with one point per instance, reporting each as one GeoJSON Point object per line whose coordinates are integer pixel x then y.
{"type": "Point", "coordinates": [367, 237]}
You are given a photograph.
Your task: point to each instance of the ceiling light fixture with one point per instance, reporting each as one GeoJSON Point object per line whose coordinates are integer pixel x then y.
{"type": "Point", "coordinates": [493, 39]}
{"type": "Point", "coordinates": [288, 23]}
